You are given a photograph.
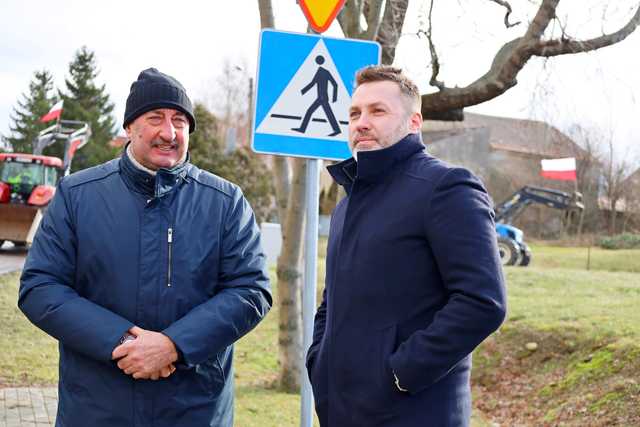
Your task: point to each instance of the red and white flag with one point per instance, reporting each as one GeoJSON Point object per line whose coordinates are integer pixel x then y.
{"type": "Point", "coordinates": [54, 113]}
{"type": "Point", "coordinates": [561, 169]}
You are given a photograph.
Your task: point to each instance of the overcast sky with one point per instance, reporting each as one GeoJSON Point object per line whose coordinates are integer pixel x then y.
{"type": "Point", "coordinates": [191, 40]}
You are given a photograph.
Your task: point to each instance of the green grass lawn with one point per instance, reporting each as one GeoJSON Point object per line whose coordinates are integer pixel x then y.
{"type": "Point", "coordinates": [586, 325]}
{"type": "Point", "coordinates": [28, 355]}
{"type": "Point", "coordinates": [579, 258]}
{"type": "Point", "coordinates": [599, 303]}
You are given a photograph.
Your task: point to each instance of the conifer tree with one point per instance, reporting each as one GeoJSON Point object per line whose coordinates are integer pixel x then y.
{"type": "Point", "coordinates": [26, 116]}
{"type": "Point", "coordinates": [86, 101]}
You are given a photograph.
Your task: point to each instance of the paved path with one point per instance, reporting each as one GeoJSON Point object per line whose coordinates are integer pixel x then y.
{"type": "Point", "coordinates": [25, 406]}
{"type": "Point", "coordinates": [28, 407]}
{"type": "Point", "coordinates": [36, 407]}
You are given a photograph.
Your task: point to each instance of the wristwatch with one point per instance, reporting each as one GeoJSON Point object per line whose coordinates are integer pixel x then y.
{"type": "Point", "coordinates": [127, 337]}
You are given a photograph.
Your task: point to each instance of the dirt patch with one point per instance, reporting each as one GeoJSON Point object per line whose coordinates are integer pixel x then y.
{"type": "Point", "coordinates": [527, 377]}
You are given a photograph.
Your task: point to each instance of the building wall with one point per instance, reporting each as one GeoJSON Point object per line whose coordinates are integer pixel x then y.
{"type": "Point", "coordinates": [503, 173]}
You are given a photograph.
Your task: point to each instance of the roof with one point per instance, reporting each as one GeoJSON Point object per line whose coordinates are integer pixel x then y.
{"type": "Point", "coordinates": [31, 158]}
{"type": "Point", "coordinates": [518, 135]}
{"type": "Point", "coordinates": [633, 178]}
{"type": "Point", "coordinates": [118, 141]}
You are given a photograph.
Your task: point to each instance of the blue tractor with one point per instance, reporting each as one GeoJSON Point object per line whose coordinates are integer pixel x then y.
{"type": "Point", "coordinates": [513, 249]}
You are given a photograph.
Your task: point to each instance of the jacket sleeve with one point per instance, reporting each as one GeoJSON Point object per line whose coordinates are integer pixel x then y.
{"type": "Point", "coordinates": [244, 297]}
{"type": "Point", "coordinates": [460, 230]}
{"type": "Point", "coordinates": [47, 295]}
{"type": "Point", "coordinates": [319, 324]}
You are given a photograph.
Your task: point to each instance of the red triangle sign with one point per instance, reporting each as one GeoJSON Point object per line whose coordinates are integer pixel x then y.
{"type": "Point", "coordinates": [320, 13]}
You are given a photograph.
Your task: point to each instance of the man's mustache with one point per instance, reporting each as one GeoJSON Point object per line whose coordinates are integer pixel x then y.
{"type": "Point", "coordinates": [156, 143]}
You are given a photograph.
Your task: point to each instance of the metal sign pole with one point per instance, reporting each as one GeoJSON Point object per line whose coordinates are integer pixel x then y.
{"type": "Point", "coordinates": [310, 280]}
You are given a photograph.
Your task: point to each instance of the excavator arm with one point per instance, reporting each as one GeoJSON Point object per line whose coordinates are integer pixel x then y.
{"type": "Point", "coordinates": [513, 250]}
{"type": "Point", "coordinates": [514, 205]}
{"type": "Point", "coordinates": [74, 134]}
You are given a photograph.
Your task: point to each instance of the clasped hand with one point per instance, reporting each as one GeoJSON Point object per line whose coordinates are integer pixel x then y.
{"type": "Point", "coordinates": [150, 356]}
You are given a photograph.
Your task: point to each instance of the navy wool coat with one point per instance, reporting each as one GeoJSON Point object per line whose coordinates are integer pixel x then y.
{"type": "Point", "coordinates": [185, 260]}
{"type": "Point", "coordinates": [413, 285]}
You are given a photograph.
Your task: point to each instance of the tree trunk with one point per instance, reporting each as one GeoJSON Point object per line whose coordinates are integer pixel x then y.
{"type": "Point", "coordinates": [290, 201]}
{"type": "Point", "coordinates": [612, 218]}
{"type": "Point", "coordinates": [391, 28]}
{"type": "Point", "coordinates": [290, 283]}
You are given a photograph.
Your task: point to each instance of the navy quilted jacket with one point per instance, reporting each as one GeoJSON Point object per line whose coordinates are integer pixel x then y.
{"type": "Point", "coordinates": [180, 254]}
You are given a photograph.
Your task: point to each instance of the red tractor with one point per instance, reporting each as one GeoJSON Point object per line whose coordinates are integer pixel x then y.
{"type": "Point", "coordinates": [28, 181]}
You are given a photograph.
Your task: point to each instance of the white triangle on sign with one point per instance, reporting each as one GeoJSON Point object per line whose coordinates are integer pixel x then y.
{"type": "Point", "coordinates": [289, 110]}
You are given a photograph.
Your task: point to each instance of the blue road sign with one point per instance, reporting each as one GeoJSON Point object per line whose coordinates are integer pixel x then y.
{"type": "Point", "coordinates": [304, 89]}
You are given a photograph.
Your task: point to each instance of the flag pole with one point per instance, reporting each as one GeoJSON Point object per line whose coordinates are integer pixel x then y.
{"type": "Point", "coordinates": [58, 119]}
{"type": "Point", "coordinates": [581, 219]}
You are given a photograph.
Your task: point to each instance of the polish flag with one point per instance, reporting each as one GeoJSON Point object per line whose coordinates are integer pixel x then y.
{"type": "Point", "coordinates": [54, 113]}
{"type": "Point", "coordinates": [561, 169]}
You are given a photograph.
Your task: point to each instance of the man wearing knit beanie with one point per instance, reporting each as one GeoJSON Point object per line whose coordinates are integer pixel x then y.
{"type": "Point", "coordinates": [158, 120]}
{"type": "Point", "coordinates": [147, 270]}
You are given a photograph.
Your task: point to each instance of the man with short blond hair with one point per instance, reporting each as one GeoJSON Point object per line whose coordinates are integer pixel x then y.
{"type": "Point", "coordinates": [147, 270]}
{"type": "Point", "coordinates": [413, 281]}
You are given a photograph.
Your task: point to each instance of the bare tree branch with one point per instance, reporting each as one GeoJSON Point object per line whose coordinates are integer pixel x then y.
{"type": "Point", "coordinates": [506, 65]}
{"type": "Point", "coordinates": [561, 47]}
{"type": "Point", "coordinates": [507, 6]}
{"type": "Point", "coordinates": [391, 28]}
{"type": "Point", "coordinates": [502, 76]}
{"type": "Point", "coordinates": [512, 57]}
{"type": "Point", "coordinates": [435, 62]}
{"type": "Point", "coordinates": [546, 12]}
{"type": "Point", "coordinates": [349, 18]}
{"type": "Point", "coordinates": [375, 11]}
{"type": "Point", "coordinates": [563, 29]}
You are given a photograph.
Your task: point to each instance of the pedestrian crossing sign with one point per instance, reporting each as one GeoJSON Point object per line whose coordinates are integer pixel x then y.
{"type": "Point", "coordinates": [303, 93]}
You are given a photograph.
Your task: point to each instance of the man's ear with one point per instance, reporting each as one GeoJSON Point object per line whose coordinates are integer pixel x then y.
{"type": "Point", "coordinates": [415, 122]}
{"type": "Point", "coordinates": [128, 131]}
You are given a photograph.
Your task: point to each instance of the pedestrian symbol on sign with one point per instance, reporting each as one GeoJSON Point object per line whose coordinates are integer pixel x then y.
{"type": "Point", "coordinates": [303, 93]}
{"type": "Point", "coordinates": [321, 80]}
{"type": "Point", "coordinates": [315, 103]}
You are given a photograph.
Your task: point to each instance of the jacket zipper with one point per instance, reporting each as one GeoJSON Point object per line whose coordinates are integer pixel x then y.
{"type": "Point", "coordinates": [169, 243]}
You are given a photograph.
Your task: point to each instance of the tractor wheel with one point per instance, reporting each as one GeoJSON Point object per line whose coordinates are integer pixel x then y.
{"type": "Point", "coordinates": [1, 243]}
{"type": "Point", "coordinates": [20, 244]}
{"type": "Point", "coordinates": [525, 259]}
{"type": "Point", "coordinates": [509, 253]}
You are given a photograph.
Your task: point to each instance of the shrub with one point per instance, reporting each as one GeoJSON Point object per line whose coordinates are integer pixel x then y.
{"type": "Point", "coordinates": [620, 241]}
{"type": "Point", "coordinates": [240, 166]}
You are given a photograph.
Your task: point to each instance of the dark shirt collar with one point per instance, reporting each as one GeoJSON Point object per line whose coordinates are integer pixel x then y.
{"type": "Point", "coordinates": [145, 183]}
{"type": "Point", "coordinates": [375, 165]}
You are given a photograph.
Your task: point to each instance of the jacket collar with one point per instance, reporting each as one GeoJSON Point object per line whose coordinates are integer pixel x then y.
{"type": "Point", "coordinates": [147, 184]}
{"type": "Point", "coordinates": [373, 166]}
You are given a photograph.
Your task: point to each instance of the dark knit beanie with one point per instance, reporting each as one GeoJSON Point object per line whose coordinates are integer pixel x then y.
{"type": "Point", "coordinates": [153, 90]}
